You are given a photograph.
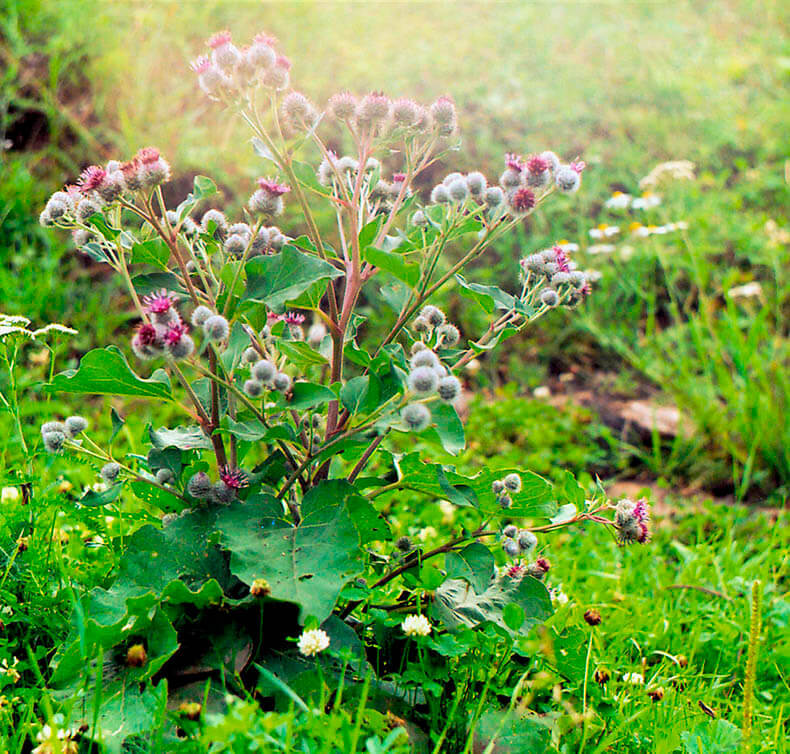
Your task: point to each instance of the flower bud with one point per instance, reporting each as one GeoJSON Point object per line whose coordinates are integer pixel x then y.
{"type": "Point", "coordinates": [458, 190]}
{"type": "Point", "coordinates": [282, 382]}
{"type": "Point", "coordinates": [222, 493]}
{"type": "Point", "coordinates": [404, 112]}
{"type": "Point", "coordinates": [264, 371]}
{"type": "Point", "coordinates": [423, 381]}
{"type": "Point", "coordinates": [567, 179]}
{"type": "Point", "coordinates": [493, 196]}
{"type": "Point", "coordinates": [510, 531]}
{"type": "Point", "coordinates": [278, 75]}
{"type": "Point", "coordinates": [53, 440]}
{"type": "Point", "coordinates": [214, 224]}
{"type": "Point", "coordinates": [449, 388]}
{"type": "Point", "coordinates": [433, 314]}
{"type": "Point", "coordinates": [249, 356]}
{"type": "Point", "coordinates": [476, 183]}
{"type": "Point", "coordinates": [421, 324]}
{"type": "Point", "coordinates": [154, 170]}
{"type": "Point", "coordinates": [601, 676]}
{"type": "Point", "coordinates": [527, 541]}
{"type": "Point", "coordinates": [253, 388]}
{"type": "Point", "coordinates": [234, 245]}
{"type": "Point", "coordinates": [373, 109]}
{"type": "Point", "coordinates": [521, 201]}
{"type": "Point", "coordinates": [511, 547]}
{"type": "Point", "coordinates": [56, 208]}
{"type": "Point", "coordinates": [497, 486]}
{"type": "Point", "coordinates": [440, 194]}
{"type": "Point", "coordinates": [216, 327]}
{"type": "Point", "coordinates": [418, 345]}
{"type": "Point", "coordinates": [164, 476]}
{"type": "Point", "coordinates": [342, 105]}
{"type": "Point", "coordinates": [298, 110]}
{"type": "Point", "coordinates": [419, 219]}
{"type": "Point", "coordinates": [199, 485]}
{"type": "Point", "coordinates": [448, 335]}
{"type": "Point", "coordinates": [224, 54]}
{"type": "Point", "coordinates": [260, 53]}
{"type": "Point", "coordinates": [443, 112]}
{"type": "Point", "coordinates": [416, 416]}
{"type": "Point", "coordinates": [551, 160]}
{"type": "Point", "coordinates": [75, 425]}
{"type": "Point", "coordinates": [85, 209]}
{"type": "Point", "coordinates": [424, 358]}
{"type": "Point", "coordinates": [505, 501]}
{"type": "Point", "coordinates": [110, 472]}
{"type": "Point", "coordinates": [200, 315]}
{"type": "Point", "coordinates": [316, 334]}
{"type": "Point", "coordinates": [403, 544]}
{"type": "Point", "coordinates": [560, 278]}
{"type": "Point", "coordinates": [512, 482]}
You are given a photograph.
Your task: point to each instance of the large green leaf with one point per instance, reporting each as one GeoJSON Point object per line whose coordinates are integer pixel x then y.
{"type": "Point", "coordinates": [474, 564]}
{"type": "Point", "coordinates": [458, 604]}
{"type": "Point", "coordinates": [512, 732]}
{"type": "Point", "coordinates": [277, 279]}
{"type": "Point", "coordinates": [154, 252]}
{"type": "Point", "coordinates": [184, 438]}
{"type": "Point", "coordinates": [490, 297]}
{"type": "Point", "coordinates": [307, 564]}
{"type": "Point", "coordinates": [105, 371]}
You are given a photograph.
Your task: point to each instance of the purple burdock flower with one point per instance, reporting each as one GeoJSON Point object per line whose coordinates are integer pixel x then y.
{"type": "Point", "coordinates": [522, 200]}
{"type": "Point", "coordinates": [514, 162]}
{"type": "Point", "coordinates": [277, 76]}
{"type": "Point", "coordinates": [579, 166]}
{"type": "Point", "coordinates": [292, 318]}
{"type": "Point", "coordinates": [272, 188]}
{"type": "Point", "coordinates": [233, 478]}
{"type": "Point", "coordinates": [443, 113]}
{"type": "Point", "coordinates": [373, 109]}
{"type": "Point", "coordinates": [175, 333]}
{"type": "Point", "coordinates": [153, 168]}
{"type": "Point", "coordinates": [342, 105]}
{"type": "Point", "coordinates": [537, 164]}
{"type": "Point", "coordinates": [91, 178]}
{"type": "Point", "coordinates": [160, 302]}
{"type": "Point", "coordinates": [561, 259]}
{"type": "Point", "coordinates": [147, 342]}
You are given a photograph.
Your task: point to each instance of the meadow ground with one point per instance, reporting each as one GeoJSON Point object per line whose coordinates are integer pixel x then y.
{"type": "Point", "coordinates": [692, 321]}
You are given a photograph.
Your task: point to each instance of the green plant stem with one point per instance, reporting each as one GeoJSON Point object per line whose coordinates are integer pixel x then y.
{"type": "Point", "coordinates": [755, 625]}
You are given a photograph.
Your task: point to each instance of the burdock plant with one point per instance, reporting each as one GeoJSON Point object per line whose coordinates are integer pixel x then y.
{"type": "Point", "coordinates": [263, 481]}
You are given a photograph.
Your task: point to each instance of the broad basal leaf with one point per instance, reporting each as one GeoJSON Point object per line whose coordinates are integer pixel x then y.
{"type": "Point", "coordinates": [307, 564]}
{"type": "Point", "coordinates": [105, 371]}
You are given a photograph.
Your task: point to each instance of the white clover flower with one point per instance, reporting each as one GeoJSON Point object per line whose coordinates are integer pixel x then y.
{"type": "Point", "coordinates": [312, 642]}
{"type": "Point", "coordinates": [636, 679]}
{"type": "Point", "coordinates": [749, 290]}
{"type": "Point", "coordinates": [559, 597]}
{"type": "Point", "coordinates": [9, 494]}
{"type": "Point", "coordinates": [648, 200]}
{"type": "Point", "coordinates": [601, 248]}
{"type": "Point", "coordinates": [416, 625]}
{"type": "Point", "coordinates": [618, 200]}
{"type": "Point", "coordinates": [10, 670]}
{"type": "Point", "coordinates": [99, 487]}
{"type": "Point", "coordinates": [604, 231]}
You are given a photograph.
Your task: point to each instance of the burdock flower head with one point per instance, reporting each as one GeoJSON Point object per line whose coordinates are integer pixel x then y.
{"type": "Point", "coordinates": [373, 109]}
{"type": "Point", "coordinates": [91, 178]}
{"type": "Point", "coordinates": [179, 345]}
{"type": "Point", "coordinates": [632, 520]}
{"type": "Point", "coordinates": [154, 170]}
{"type": "Point", "coordinates": [278, 75]}
{"type": "Point", "coordinates": [521, 201]}
{"type": "Point", "coordinates": [147, 342]}
{"type": "Point", "coordinates": [261, 52]}
{"type": "Point", "coordinates": [538, 173]}
{"type": "Point", "coordinates": [268, 199]}
{"type": "Point", "coordinates": [444, 115]}
{"type": "Point", "coordinates": [161, 306]}
{"type": "Point", "coordinates": [210, 78]}
{"type": "Point", "coordinates": [224, 53]}
{"type": "Point", "coordinates": [342, 105]}
{"type": "Point", "coordinates": [233, 478]}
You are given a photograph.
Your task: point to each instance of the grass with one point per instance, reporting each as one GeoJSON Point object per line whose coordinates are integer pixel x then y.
{"type": "Point", "coordinates": [624, 85]}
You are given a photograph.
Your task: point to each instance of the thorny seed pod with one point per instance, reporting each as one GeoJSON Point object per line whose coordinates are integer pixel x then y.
{"type": "Point", "coordinates": [440, 194]}
{"type": "Point", "coordinates": [249, 356]}
{"type": "Point", "coordinates": [567, 179]}
{"type": "Point", "coordinates": [214, 224]}
{"type": "Point", "coordinates": [433, 314]}
{"type": "Point", "coordinates": [511, 530]}
{"type": "Point", "coordinates": [424, 357]}
{"type": "Point", "coordinates": [497, 486]}
{"type": "Point", "coordinates": [264, 371]}
{"type": "Point", "coordinates": [448, 335]}
{"type": "Point", "coordinates": [403, 544]}
{"type": "Point", "coordinates": [511, 547]}
{"type": "Point", "coordinates": [493, 196]}
{"type": "Point", "coordinates": [549, 297]}
{"type": "Point", "coordinates": [527, 541]}
{"type": "Point", "coordinates": [253, 388]}
{"type": "Point", "coordinates": [458, 190]}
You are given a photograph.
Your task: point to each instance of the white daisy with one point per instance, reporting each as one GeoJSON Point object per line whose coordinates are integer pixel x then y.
{"type": "Point", "coordinates": [618, 200]}
{"type": "Point", "coordinates": [601, 248]}
{"type": "Point", "coordinates": [604, 231]}
{"type": "Point", "coordinates": [648, 200]}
